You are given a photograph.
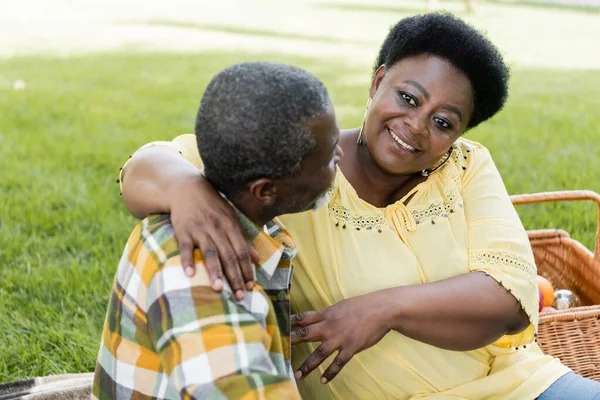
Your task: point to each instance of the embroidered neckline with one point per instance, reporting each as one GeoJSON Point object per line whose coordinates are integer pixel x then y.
{"type": "Point", "coordinates": [341, 215]}
{"type": "Point", "coordinates": [452, 199]}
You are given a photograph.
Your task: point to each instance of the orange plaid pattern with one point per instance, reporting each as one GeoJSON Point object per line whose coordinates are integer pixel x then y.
{"type": "Point", "coordinates": [167, 336]}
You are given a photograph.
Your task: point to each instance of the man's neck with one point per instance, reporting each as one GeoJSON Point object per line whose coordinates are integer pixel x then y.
{"type": "Point", "coordinates": [246, 205]}
{"type": "Point", "coordinates": [254, 214]}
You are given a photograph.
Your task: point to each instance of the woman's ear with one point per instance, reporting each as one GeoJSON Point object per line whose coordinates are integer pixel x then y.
{"type": "Point", "coordinates": [379, 75]}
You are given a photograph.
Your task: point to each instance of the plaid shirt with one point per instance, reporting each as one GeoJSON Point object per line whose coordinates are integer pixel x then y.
{"type": "Point", "coordinates": [167, 336]}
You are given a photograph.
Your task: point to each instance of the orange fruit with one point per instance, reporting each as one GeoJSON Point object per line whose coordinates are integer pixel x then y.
{"type": "Point", "coordinates": [547, 289]}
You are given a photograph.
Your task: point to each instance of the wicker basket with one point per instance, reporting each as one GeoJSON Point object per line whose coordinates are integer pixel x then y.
{"type": "Point", "coordinates": [572, 335]}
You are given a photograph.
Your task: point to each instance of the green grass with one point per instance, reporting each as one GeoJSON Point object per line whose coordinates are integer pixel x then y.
{"type": "Point", "coordinates": [63, 138]}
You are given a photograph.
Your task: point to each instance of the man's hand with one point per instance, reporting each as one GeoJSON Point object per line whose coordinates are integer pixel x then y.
{"type": "Point", "coordinates": [348, 327]}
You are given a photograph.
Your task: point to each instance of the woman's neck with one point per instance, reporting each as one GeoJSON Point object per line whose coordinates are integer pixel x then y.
{"type": "Point", "coordinates": [370, 182]}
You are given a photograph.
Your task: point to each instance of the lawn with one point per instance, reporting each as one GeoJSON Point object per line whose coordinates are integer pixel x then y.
{"type": "Point", "coordinates": [63, 139]}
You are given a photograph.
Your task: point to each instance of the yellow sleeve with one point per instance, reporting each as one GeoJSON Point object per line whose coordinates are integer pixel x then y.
{"type": "Point", "coordinates": [185, 144]}
{"type": "Point", "coordinates": [498, 243]}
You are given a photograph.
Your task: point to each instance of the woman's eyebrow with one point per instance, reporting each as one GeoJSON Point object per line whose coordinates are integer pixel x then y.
{"type": "Point", "coordinates": [454, 110]}
{"type": "Point", "coordinates": [419, 87]}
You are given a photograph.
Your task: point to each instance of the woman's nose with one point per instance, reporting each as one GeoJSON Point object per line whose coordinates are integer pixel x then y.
{"type": "Point", "coordinates": [416, 123]}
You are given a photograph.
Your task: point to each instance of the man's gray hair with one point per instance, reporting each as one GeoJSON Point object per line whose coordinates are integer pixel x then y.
{"type": "Point", "coordinates": [252, 123]}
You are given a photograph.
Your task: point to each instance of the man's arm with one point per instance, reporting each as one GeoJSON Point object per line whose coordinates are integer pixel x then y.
{"type": "Point", "coordinates": [209, 344]}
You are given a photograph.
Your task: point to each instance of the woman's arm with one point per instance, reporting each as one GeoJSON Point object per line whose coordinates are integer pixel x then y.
{"type": "Point", "coordinates": [463, 313]}
{"type": "Point", "coordinates": [159, 179]}
{"type": "Point", "coordinates": [152, 176]}
{"type": "Point", "coordinates": [495, 303]}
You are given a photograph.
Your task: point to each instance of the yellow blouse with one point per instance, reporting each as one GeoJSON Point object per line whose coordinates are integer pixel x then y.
{"type": "Point", "coordinates": [458, 221]}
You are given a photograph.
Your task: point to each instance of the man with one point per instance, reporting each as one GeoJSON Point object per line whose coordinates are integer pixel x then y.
{"type": "Point", "coordinates": [267, 137]}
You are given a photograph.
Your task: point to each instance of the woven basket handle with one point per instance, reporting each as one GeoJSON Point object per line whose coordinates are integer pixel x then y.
{"type": "Point", "coordinates": [566, 195]}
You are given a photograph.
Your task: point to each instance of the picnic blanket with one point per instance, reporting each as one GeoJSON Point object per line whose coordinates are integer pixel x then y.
{"type": "Point", "coordinates": [53, 387]}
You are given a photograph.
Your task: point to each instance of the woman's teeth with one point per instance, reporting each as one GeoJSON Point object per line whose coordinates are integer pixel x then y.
{"type": "Point", "coordinates": [400, 142]}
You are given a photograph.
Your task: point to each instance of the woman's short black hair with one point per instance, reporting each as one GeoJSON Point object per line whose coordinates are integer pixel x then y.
{"type": "Point", "coordinates": [449, 37]}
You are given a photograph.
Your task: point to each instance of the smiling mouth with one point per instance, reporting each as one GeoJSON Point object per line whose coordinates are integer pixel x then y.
{"type": "Point", "coordinates": [402, 144]}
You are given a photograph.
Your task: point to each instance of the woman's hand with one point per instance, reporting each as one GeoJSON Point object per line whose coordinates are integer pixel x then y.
{"type": "Point", "coordinates": [462, 313]}
{"type": "Point", "coordinates": [203, 219]}
{"type": "Point", "coordinates": [158, 179]}
{"type": "Point", "coordinates": [348, 327]}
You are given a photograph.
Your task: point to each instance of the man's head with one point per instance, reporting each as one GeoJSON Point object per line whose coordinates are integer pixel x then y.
{"type": "Point", "coordinates": [268, 137]}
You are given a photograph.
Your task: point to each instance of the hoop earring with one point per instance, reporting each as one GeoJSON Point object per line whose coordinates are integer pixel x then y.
{"type": "Point", "coordinates": [428, 171]}
{"type": "Point", "coordinates": [362, 127]}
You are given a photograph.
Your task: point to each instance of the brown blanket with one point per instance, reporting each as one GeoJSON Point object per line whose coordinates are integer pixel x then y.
{"type": "Point", "coordinates": [54, 387]}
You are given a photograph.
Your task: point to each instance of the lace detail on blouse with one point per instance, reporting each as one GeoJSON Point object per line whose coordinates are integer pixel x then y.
{"type": "Point", "coordinates": [502, 259]}
{"type": "Point", "coordinates": [440, 209]}
{"type": "Point", "coordinates": [499, 259]}
{"type": "Point", "coordinates": [452, 198]}
{"type": "Point", "coordinates": [342, 216]}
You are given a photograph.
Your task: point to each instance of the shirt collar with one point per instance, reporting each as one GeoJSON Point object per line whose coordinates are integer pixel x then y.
{"type": "Point", "coordinates": [273, 243]}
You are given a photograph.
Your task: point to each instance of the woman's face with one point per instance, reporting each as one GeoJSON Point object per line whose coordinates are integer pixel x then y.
{"type": "Point", "coordinates": [419, 107]}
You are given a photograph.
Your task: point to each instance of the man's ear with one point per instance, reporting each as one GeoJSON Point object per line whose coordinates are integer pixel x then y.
{"type": "Point", "coordinates": [264, 191]}
{"type": "Point", "coordinates": [379, 75]}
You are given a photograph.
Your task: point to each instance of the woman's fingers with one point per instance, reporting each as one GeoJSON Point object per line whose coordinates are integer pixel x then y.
{"type": "Point", "coordinates": [188, 245]}
{"type": "Point", "coordinates": [309, 333]}
{"type": "Point", "coordinates": [186, 251]}
{"type": "Point", "coordinates": [203, 219]}
{"type": "Point", "coordinates": [225, 251]}
{"type": "Point", "coordinates": [208, 252]}
{"type": "Point", "coordinates": [306, 318]}
{"type": "Point", "coordinates": [315, 359]}
{"type": "Point", "coordinates": [254, 256]}
{"type": "Point", "coordinates": [231, 267]}
{"type": "Point", "coordinates": [336, 366]}
{"type": "Point", "coordinates": [241, 246]}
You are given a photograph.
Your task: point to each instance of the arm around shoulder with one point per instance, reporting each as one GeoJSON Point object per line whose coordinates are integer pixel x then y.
{"type": "Point", "coordinates": [148, 174]}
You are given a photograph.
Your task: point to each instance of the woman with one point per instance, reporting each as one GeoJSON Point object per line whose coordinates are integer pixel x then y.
{"type": "Point", "coordinates": [420, 266]}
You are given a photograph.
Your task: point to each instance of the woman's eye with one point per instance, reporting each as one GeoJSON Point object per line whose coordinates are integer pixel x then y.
{"type": "Point", "coordinates": [442, 123]}
{"type": "Point", "coordinates": [408, 99]}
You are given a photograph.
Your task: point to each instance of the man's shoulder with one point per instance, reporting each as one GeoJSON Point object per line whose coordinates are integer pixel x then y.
{"type": "Point", "coordinates": [156, 234]}
{"type": "Point", "coordinates": [151, 246]}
